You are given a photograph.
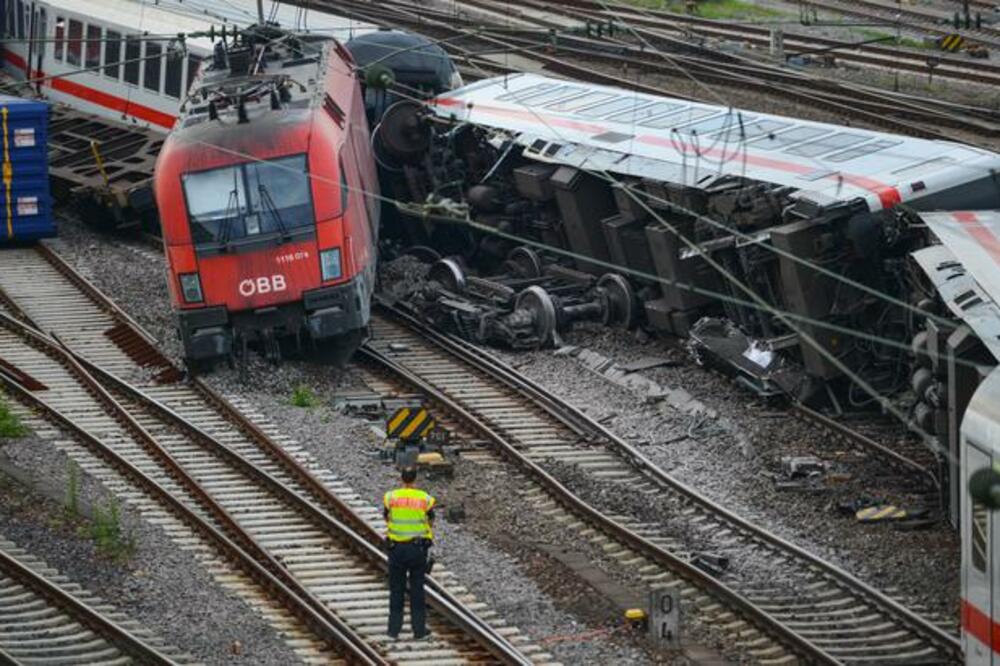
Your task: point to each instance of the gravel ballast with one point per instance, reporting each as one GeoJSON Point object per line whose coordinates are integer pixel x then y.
{"type": "Point", "coordinates": [157, 584]}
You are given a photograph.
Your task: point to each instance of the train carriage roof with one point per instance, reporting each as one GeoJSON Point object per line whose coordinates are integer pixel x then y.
{"type": "Point", "coordinates": [637, 134]}
{"type": "Point", "coordinates": [169, 17]}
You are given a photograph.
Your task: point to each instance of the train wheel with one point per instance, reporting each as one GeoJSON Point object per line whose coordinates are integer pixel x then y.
{"type": "Point", "coordinates": [537, 301]}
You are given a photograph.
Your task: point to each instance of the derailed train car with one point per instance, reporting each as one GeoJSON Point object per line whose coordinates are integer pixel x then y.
{"type": "Point", "coordinates": [818, 220]}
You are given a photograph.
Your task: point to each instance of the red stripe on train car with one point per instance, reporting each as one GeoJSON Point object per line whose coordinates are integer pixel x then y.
{"type": "Point", "coordinates": [980, 626]}
{"type": "Point", "coordinates": [97, 97]}
{"type": "Point", "coordinates": [980, 233]}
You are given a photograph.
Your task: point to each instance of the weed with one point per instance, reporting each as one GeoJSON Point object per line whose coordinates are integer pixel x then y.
{"type": "Point", "coordinates": [10, 425]}
{"type": "Point", "coordinates": [303, 397]}
{"type": "Point", "coordinates": [713, 9]}
{"type": "Point", "coordinates": [889, 38]}
{"type": "Point", "coordinates": [106, 531]}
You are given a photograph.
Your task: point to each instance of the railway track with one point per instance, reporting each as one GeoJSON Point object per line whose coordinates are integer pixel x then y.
{"type": "Point", "coordinates": [601, 61]}
{"type": "Point", "coordinates": [944, 66]}
{"type": "Point", "coordinates": [46, 619]}
{"type": "Point", "coordinates": [803, 607]}
{"type": "Point", "coordinates": [198, 457]}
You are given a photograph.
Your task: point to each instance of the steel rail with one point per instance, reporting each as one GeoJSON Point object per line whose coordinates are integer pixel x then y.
{"type": "Point", "coordinates": [242, 547]}
{"type": "Point", "coordinates": [116, 635]}
{"type": "Point", "coordinates": [861, 104]}
{"type": "Point", "coordinates": [362, 537]}
{"type": "Point", "coordinates": [839, 428]}
{"type": "Point", "coordinates": [573, 418]}
{"type": "Point", "coordinates": [350, 525]}
{"type": "Point", "coordinates": [563, 495]}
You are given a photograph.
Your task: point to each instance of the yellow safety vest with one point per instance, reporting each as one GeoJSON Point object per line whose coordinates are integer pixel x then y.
{"type": "Point", "coordinates": [408, 509]}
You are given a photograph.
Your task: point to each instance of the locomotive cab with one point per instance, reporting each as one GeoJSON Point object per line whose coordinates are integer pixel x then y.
{"type": "Point", "coordinates": [266, 190]}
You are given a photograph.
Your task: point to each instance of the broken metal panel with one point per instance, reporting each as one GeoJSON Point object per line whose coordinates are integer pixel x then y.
{"type": "Point", "coordinates": [974, 239]}
{"type": "Point", "coordinates": [962, 293]}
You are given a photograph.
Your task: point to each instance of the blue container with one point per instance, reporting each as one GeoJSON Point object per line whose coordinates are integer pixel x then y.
{"type": "Point", "coordinates": [25, 199]}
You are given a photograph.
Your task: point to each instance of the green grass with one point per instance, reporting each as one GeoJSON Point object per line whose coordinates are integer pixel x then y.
{"type": "Point", "coordinates": [891, 39]}
{"type": "Point", "coordinates": [10, 425]}
{"type": "Point", "coordinates": [303, 397]}
{"type": "Point", "coordinates": [106, 531]}
{"type": "Point", "coordinates": [713, 9]}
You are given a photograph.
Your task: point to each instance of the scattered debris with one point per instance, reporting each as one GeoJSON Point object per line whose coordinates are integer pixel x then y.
{"type": "Point", "coordinates": [802, 466]}
{"type": "Point", "coordinates": [648, 363]}
{"type": "Point", "coordinates": [711, 563]}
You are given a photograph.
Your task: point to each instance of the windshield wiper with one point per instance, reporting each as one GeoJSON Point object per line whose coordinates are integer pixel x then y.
{"type": "Point", "coordinates": [232, 205]}
{"type": "Point", "coordinates": [265, 198]}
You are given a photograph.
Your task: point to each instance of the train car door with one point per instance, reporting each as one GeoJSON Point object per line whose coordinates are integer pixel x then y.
{"type": "Point", "coordinates": [977, 570]}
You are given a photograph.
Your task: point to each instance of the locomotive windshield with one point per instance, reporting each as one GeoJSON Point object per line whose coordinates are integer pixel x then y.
{"type": "Point", "coordinates": [248, 200]}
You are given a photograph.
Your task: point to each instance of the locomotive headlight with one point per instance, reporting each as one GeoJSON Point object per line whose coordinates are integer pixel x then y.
{"type": "Point", "coordinates": [329, 263]}
{"type": "Point", "coordinates": [191, 287]}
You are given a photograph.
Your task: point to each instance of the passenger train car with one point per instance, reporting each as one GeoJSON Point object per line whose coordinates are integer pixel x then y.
{"type": "Point", "coordinates": [655, 188]}
{"type": "Point", "coordinates": [137, 69]}
{"type": "Point", "coordinates": [268, 198]}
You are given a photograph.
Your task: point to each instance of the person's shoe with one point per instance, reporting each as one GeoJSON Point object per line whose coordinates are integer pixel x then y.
{"type": "Point", "coordinates": [423, 637]}
{"type": "Point", "coordinates": [393, 637]}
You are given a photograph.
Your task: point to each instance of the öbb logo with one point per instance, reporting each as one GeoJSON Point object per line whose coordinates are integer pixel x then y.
{"type": "Point", "coordinates": [262, 285]}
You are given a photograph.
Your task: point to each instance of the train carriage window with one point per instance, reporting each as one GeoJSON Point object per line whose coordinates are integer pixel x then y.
{"type": "Point", "coordinates": [862, 151]}
{"type": "Point", "coordinates": [92, 54]}
{"type": "Point", "coordinates": [518, 95]}
{"type": "Point", "coordinates": [151, 67]}
{"type": "Point", "coordinates": [42, 30]}
{"type": "Point", "coordinates": [730, 121]}
{"type": "Point", "coordinates": [3, 18]}
{"type": "Point", "coordinates": [580, 101]}
{"type": "Point", "coordinates": [133, 50]}
{"type": "Point", "coordinates": [74, 48]}
{"type": "Point", "coordinates": [112, 53]}
{"type": "Point", "coordinates": [173, 74]}
{"type": "Point", "coordinates": [980, 519]}
{"type": "Point", "coordinates": [57, 48]}
{"type": "Point", "coordinates": [537, 99]}
{"type": "Point", "coordinates": [645, 113]}
{"type": "Point", "coordinates": [826, 144]}
{"type": "Point", "coordinates": [193, 65]}
{"type": "Point", "coordinates": [630, 104]}
{"type": "Point", "coordinates": [750, 130]}
{"type": "Point", "coordinates": [788, 137]}
{"type": "Point", "coordinates": [20, 19]}
{"type": "Point", "coordinates": [678, 118]}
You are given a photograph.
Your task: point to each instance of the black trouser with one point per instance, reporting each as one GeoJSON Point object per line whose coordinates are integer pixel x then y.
{"type": "Point", "coordinates": [407, 558]}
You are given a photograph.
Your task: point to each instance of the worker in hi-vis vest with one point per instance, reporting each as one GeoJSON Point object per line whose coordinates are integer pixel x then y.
{"type": "Point", "coordinates": [409, 514]}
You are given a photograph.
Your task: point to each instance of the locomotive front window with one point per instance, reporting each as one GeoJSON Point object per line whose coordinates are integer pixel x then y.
{"type": "Point", "coordinates": [248, 200]}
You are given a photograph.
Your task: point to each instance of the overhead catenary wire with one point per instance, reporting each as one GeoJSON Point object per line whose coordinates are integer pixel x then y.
{"type": "Point", "coordinates": [695, 249]}
{"type": "Point", "coordinates": [706, 219]}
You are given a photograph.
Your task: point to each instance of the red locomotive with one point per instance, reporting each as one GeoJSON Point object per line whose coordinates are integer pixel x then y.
{"type": "Point", "coordinates": [268, 198]}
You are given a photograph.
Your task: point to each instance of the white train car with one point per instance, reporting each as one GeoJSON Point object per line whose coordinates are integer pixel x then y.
{"type": "Point", "coordinates": [121, 59]}
{"type": "Point", "coordinates": [980, 528]}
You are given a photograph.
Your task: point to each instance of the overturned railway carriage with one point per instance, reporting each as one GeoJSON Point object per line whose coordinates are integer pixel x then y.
{"type": "Point", "coordinates": [667, 192]}
{"type": "Point", "coordinates": [261, 190]}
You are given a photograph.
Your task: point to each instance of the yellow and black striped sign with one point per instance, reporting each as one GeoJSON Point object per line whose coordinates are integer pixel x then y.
{"type": "Point", "coordinates": [951, 42]}
{"type": "Point", "coordinates": [872, 514]}
{"type": "Point", "coordinates": [409, 423]}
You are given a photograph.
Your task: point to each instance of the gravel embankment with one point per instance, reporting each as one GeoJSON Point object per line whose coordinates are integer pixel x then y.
{"type": "Point", "coordinates": [732, 454]}
{"type": "Point", "coordinates": [154, 582]}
